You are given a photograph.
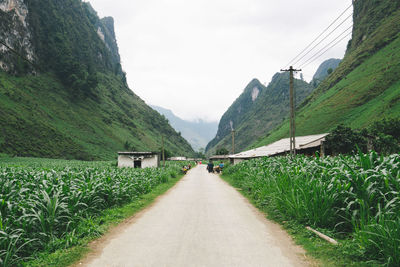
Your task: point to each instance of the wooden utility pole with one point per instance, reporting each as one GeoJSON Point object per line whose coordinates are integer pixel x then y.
{"type": "Point", "coordinates": [233, 141]}
{"type": "Point", "coordinates": [292, 113]}
{"type": "Point", "coordinates": [163, 153]}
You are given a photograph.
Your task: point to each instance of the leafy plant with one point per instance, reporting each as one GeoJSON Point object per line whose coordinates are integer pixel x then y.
{"type": "Point", "coordinates": [355, 197]}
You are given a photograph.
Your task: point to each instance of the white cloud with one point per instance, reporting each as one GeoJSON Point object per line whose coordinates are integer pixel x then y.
{"type": "Point", "coordinates": [196, 57]}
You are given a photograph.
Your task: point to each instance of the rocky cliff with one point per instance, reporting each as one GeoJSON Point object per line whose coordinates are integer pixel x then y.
{"type": "Point", "coordinates": [365, 87]}
{"type": "Point", "coordinates": [15, 34]}
{"type": "Point", "coordinates": [256, 112]}
{"type": "Point", "coordinates": [62, 89]}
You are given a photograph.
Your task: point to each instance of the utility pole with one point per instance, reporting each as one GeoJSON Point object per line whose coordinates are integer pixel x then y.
{"type": "Point", "coordinates": [292, 113]}
{"type": "Point", "coordinates": [233, 141]}
{"type": "Point", "coordinates": [163, 153]}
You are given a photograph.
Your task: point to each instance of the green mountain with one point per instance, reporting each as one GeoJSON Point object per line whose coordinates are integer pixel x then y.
{"type": "Point", "coordinates": [256, 112]}
{"type": "Point", "coordinates": [63, 93]}
{"type": "Point", "coordinates": [198, 133]}
{"type": "Point", "coordinates": [366, 86]}
{"type": "Point", "coordinates": [326, 67]}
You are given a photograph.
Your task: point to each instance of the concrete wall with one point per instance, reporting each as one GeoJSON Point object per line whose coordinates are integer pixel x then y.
{"type": "Point", "coordinates": [236, 161]}
{"type": "Point", "coordinates": [150, 162]}
{"type": "Point", "coordinates": [125, 161]}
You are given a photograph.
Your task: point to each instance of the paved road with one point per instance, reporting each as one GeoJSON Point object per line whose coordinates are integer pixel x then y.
{"type": "Point", "coordinates": [202, 221]}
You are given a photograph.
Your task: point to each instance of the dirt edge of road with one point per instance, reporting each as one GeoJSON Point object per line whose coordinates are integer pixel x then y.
{"type": "Point", "coordinates": [278, 232]}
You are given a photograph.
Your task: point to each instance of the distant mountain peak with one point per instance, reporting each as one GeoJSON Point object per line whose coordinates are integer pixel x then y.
{"type": "Point", "coordinates": [198, 133]}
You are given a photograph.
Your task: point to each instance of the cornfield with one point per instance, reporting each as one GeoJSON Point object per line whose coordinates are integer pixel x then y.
{"type": "Point", "coordinates": [357, 197]}
{"type": "Point", "coordinates": [48, 208]}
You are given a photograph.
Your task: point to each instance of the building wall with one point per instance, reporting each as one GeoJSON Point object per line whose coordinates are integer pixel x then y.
{"type": "Point", "coordinates": [125, 161]}
{"type": "Point", "coordinates": [236, 161]}
{"type": "Point", "coordinates": [151, 162]}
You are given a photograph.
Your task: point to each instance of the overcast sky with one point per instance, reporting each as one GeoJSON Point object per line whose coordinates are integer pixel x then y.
{"type": "Point", "coordinates": [196, 57]}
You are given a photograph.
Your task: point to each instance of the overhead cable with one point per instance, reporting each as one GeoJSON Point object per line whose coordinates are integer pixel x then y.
{"type": "Point", "coordinates": [316, 53]}
{"type": "Point", "coordinates": [327, 50]}
{"type": "Point", "coordinates": [322, 39]}
{"type": "Point", "coordinates": [319, 36]}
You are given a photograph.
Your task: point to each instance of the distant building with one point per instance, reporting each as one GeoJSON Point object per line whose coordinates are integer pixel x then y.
{"type": "Point", "coordinates": [307, 145]}
{"type": "Point", "coordinates": [177, 158]}
{"type": "Point", "coordinates": [138, 159]}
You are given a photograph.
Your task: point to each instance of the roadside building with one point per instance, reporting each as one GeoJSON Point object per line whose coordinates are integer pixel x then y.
{"type": "Point", "coordinates": [177, 158]}
{"type": "Point", "coordinates": [219, 157]}
{"type": "Point", "coordinates": [307, 145]}
{"type": "Point", "coordinates": [138, 159]}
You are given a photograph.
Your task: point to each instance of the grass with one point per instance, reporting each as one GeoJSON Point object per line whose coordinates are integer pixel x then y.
{"type": "Point", "coordinates": [109, 219]}
{"type": "Point", "coordinates": [320, 251]}
{"type": "Point", "coordinates": [363, 89]}
{"type": "Point", "coordinates": [39, 118]}
{"type": "Point", "coordinates": [352, 199]}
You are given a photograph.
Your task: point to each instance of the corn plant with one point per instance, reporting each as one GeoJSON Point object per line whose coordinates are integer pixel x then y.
{"type": "Point", "coordinates": [353, 195]}
{"type": "Point", "coordinates": [47, 206]}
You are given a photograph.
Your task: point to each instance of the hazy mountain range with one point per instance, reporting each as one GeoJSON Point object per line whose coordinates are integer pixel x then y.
{"type": "Point", "coordinates": [197, 133]}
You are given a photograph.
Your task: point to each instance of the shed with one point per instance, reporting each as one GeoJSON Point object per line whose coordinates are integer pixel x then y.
{"type": "Point", "coordinates": [219, 157]}
{"type": "Point", "coordinates": [304, 145]}
{"type": "Point", "coordinates": [138, 159]}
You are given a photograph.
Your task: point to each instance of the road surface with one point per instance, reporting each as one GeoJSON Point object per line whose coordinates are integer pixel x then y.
{"type": "Point", "coordinates": [202, 221]}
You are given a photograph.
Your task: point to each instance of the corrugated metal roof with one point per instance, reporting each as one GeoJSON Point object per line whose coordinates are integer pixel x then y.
{"type": "Point", "coordinates": [216, 157]}
{"type": "Point", "coordinates": [282, 146]}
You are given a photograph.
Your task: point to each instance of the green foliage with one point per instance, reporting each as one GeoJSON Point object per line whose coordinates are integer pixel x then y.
{"type": "Point", "coordinates": [343, 140]}
{"type": "Point", "coordinates": [254, 118]}
{"type": "Point", "coordinates": [363, 89]}
{"type": "Point", "coordinates": [50, 205]}
{"type": "Point", "coordinates": [383, 136]}
{"type": "Point", "coordinates": [66, 41]}
{"type": "Point", "coordinates": [352, 197]}
{"type": "Point", "coordinates": [39, 118]}
{"type": "Point", "coordinates": [222, 151]}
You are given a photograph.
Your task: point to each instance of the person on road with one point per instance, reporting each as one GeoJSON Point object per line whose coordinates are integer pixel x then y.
{"type": "Point", "coordinates": [221, 166]}
{"type": "Point", "coordinates": [210, 166]}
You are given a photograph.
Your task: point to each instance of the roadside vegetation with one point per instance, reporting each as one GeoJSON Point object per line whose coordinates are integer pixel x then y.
{"type": "Point", "coordinates": [355, 199]}
{"type": "Point", "coordinates": [47, 206]}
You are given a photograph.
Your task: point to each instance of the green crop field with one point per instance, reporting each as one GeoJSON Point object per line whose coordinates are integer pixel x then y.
{"type": "Point", "coordinates": [46, 205]}
{"type": "Point", "coordinates": [354, 198]}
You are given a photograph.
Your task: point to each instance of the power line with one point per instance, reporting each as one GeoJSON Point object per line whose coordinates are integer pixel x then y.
{"type": "Point", "coordinates": [319, 35]}
{"type": "Point", "coordinates": [328, 49]}
{"type": "Point", "coordinates": [323, 39]}
{"type": "Point", "coordinates": [337, 37]}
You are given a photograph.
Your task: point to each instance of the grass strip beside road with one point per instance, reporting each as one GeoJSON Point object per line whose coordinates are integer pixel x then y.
{"type": "Point", "coordinates": [99, 227]}
{"type": "Point", "coordinates": [321, 252]}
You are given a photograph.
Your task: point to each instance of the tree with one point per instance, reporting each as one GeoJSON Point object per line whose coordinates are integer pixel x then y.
{"type": "Point", "coordinates": [329, 71]}
{"type": "Point", "coordinates": [344, 140]}
{"type": "Point", "coordinates": [222, 151]}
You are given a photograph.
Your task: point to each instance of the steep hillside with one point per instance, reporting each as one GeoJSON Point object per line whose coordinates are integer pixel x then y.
{"type": "Point", "coordinates": [257, 110]}
{"type": "Point", "coordinates": [366, 85]}
{"type": "Point", "coordinates": [326, 67]}
{"type": "Point", "coordinates": [63, 93]}
{"type": "Point", "coordinates": [197, 133]}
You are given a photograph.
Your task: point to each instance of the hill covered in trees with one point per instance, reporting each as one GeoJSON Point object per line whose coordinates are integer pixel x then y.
{"type": "Point", "coordinates": [63, 92]}
{"type": "Point", "coordinates": [257, 111]}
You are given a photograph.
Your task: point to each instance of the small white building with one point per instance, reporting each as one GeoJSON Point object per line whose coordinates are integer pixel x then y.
{"type": "Point", "coordinates": [177, 158]}
{"type": "Point", "coordinates": [138, 159]}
